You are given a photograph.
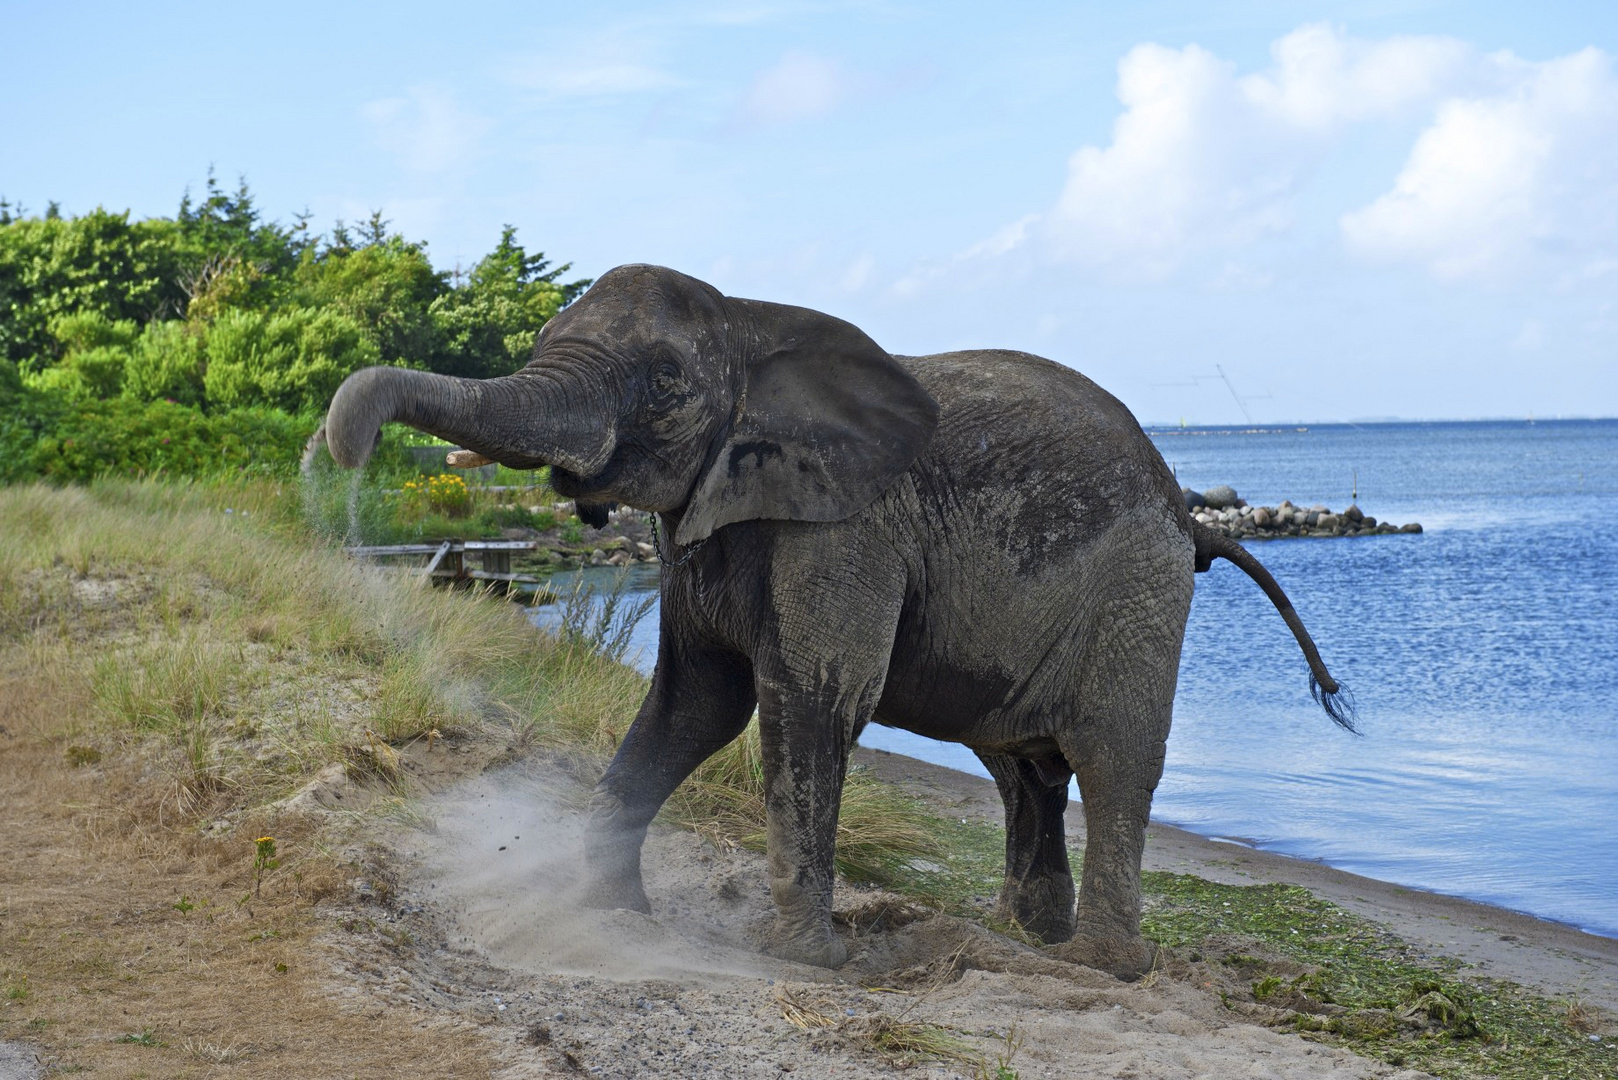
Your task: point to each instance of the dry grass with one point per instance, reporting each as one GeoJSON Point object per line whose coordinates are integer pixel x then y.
{"type": "Point", "coordinates": [903, 1042]}
{"type": "Point", "coordinates": [168, 672]}
{"type": "Point", "coordinates": [167, 667]}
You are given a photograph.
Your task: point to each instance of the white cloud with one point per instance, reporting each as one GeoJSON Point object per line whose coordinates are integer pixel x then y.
{"type": "Point", "coordinates": [1203, 158]}
{"type": "Point", "coordinates": [1191, 164]}
{"type": "Point", "coordinates": [1517, 170]}
{"type": "Point", "coordinates": [1322, 77]}
{"type": "Point", "coordinates": [426, 131]}
{"type": "Point", "coordinates": [1498, 186]}
{"type": "Point", "coordinates": [800, 86]}
{"type": "Point", "coordinates": [1000, 243]}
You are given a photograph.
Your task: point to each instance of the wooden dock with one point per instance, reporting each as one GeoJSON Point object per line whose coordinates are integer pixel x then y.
{"type": "Point", "coordinates": [447, 561]}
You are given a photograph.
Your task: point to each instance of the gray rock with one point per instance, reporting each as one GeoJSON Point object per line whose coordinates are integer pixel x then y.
{"type": "Point", "coordinates": [1353, 513]}
{"type": "Point", "coordinates": [1218, 498]}
{"type": "Point", "coordinates": [1328, 522]}
{"type": "Point", "coordinates": [1320, 508]}
{"type": "Point", "coordinates": [1193, 499]}
{"type": "Point", "coordinates": [1368, 522]}
{"type": "Point", "coordinates": [1410, 528]}
{"type": "Point", "coordinates": [1261, 518]}
{"type": "Point", "coordinates": [1311, 518]}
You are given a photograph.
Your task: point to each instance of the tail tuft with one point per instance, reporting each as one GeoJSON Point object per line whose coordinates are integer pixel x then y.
{"type": "Point", "coordinates": [1338, 703]}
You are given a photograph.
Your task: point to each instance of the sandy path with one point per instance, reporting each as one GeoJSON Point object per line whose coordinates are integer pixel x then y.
{"type": "Point", "coordinates": [684, 992]}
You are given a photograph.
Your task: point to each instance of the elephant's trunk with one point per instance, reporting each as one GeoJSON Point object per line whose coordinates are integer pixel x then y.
{"type": "Point", "coordinates": [523, 420]}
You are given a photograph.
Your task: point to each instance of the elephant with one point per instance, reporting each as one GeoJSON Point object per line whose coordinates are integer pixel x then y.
{"type": "Point", "coordinates": [982, 547]}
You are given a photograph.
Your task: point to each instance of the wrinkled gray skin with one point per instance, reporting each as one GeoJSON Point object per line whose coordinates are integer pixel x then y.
{"type": "Point", "coordinates": [980, 547]}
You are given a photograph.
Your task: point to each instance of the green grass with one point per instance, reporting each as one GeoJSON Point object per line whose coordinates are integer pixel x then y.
{"type": "Point", "coordinates": [1360, 982]}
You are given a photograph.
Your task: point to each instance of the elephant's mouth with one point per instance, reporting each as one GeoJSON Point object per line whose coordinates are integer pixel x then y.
{"type": "Point", "coordinates": [573, 486]}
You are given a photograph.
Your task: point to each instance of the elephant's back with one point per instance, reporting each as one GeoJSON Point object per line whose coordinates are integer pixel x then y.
{"type": "Point", "coordinates": [1039, 498]}
{"type": "Point", "coordinates": [1009, 417]}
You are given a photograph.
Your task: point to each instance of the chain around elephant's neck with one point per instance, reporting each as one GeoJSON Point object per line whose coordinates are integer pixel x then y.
{"type": "Point", "coordinates": [657, 545]}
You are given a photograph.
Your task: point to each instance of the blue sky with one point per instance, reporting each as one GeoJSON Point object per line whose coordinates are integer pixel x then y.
{"type": "Point", "coordinates": [1354, 210]}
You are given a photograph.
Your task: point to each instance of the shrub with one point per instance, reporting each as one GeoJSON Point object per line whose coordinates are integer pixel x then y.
{"type": "Point", "coordinates": [291, 360]}
{"type": "Point", "coordinates": [166, 363]}
{"type": "Point", "coordinates": [85, 440]}
{"type": "Point", "coordinates": [94, 350]}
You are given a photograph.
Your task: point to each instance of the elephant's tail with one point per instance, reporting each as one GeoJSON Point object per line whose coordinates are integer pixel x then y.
{"type": "Point", "coordinates": [1331, 695]}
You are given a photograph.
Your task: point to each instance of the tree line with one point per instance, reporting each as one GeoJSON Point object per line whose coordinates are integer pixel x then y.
{"type": "Point", "coordinates": [211, 341]}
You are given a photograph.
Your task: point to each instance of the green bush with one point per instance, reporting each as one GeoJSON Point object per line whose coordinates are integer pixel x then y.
{"type": "Point", "coordinates": [94, 350]}
{"type": "Point", "coordinates": [166, 363]}
{"type": "Point", "coordinates": [292, 360]}
{"type": "Point", "coordinates": [211, 340]}
{"type": "Point", "coordinates": [81, 441]}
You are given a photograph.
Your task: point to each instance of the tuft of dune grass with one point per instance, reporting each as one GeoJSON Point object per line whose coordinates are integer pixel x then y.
{"type": "Point", "coordinates": [231, 633]}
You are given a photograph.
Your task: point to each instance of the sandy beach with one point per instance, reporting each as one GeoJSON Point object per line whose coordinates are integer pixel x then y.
{"type": "Point", "coordinates": [684, 992]}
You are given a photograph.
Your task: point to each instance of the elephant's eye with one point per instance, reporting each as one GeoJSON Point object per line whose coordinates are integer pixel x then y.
{"type": "Point", "coordinates": [666, 381]}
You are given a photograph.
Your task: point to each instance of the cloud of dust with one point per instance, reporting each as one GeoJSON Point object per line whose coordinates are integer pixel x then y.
{"type": "Point", "coordinates": [506, 858]}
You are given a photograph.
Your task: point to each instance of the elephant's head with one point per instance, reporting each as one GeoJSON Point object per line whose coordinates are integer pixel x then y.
{"type": "Point", "coordinates": [656, 391]}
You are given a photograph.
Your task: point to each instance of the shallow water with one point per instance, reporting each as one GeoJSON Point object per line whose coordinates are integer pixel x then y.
{"type": "Point", "coordinates": [1480, 654]}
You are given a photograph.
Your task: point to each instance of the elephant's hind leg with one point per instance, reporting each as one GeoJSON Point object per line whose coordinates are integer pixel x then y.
{"type": "Point", "coordinates": [1038, 893]}
{"type": "Point", "coordinates": [1117, 750]}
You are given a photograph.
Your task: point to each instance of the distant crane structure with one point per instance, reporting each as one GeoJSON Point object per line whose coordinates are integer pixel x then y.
{"type": "Point", "coordinates": [1241, 402]}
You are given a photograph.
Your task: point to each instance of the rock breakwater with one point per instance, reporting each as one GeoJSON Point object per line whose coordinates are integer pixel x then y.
{"type": "Point", "coordinates": [1224, 511]}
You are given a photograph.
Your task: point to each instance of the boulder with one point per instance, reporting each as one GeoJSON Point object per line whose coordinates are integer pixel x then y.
{"type": "Point", "coordinates": [1320, 508]}
{"type": "Point", "coordinates": [1193, 499]}
{"type": "Point", "coordinates": [1261, 517]}
{"type": "Point", "coordinates": [1353, 513]}
{"type": "Point", "coordinates": [597, 557]}
{"type": "Point", "coordinates": [1311, 517]}
{"type": "Point", "coordinates": [647, 551]}
{"type": "Point", "coordinates": [1368, 522]}
{"type": "Point", "coordinates": [1221, 497]}
{"type": "Point", "coordinates": [1328, 522]}
{"type": "Point", "coordinates": [1410, 528]}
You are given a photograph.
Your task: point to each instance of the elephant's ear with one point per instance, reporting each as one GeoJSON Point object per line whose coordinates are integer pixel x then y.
{"type": "Point", "coordinates": [825, 421]}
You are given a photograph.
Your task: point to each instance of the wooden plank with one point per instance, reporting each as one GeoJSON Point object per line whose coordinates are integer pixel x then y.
{"type": "Point", "coordinates": [491, 575]}
{"type": "Point", "coordinates": [500, 545]}
{"type": "Point", "coordinates": [392, 549]}
{"type": "Point", "coordinates": [443, 550]}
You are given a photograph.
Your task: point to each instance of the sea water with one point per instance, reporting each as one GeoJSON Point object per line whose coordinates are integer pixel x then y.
{"type": "Point", "coordinates": [1482, 653]}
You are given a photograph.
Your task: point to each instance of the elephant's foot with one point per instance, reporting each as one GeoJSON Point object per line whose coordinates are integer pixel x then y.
{"type": "Point", "coordinates": [1042, 908]}
{"type": "Point", "coordinates": [817, 948]}
{"type": "Point", "coordinates": [621, 891]}
{"type": "Point", "coordinates": [1126, 958]}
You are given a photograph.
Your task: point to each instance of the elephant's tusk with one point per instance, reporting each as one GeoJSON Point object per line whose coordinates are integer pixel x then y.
{"type": "Point", "coordinates": [466, 459]}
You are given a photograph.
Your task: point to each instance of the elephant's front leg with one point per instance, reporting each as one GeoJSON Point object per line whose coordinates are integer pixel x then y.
{"type": "Point", "coordinates": [818, 685]}
{"type": "Point", "coordinates": [805, 737]}
{"type": "Point", "coordinates": [699, 701]}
